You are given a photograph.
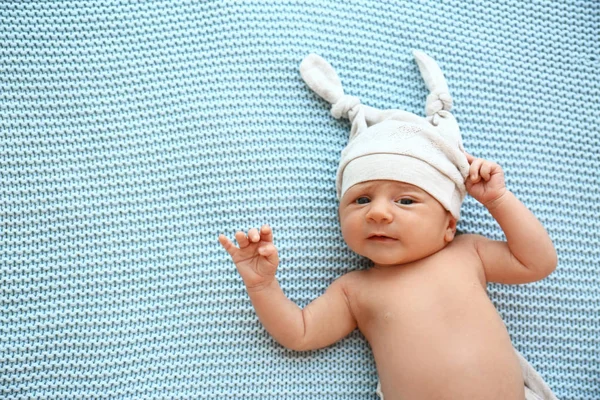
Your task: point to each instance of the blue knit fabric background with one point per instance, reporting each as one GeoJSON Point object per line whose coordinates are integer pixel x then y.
{"type": "Point", "coordinates": [132, 133]}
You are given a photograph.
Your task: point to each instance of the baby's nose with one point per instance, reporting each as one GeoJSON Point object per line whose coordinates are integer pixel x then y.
{"type": "Point", "coordinates": [379, 211]}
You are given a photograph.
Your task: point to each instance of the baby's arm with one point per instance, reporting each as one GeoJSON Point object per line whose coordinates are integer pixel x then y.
{"type": "Point", "coordinates": [528, 254]}
{"type": "Point", "coordinates": [324, 321]}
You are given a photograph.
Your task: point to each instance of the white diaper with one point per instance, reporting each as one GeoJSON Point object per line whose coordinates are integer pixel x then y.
{"type": "Point", "coordinates": [535, 387]}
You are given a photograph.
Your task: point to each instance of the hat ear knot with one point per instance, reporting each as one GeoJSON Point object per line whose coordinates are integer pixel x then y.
{"type": "Point", "coordinates": [320, 76]}
{"type": "Point", "coordinates": [439, 96]}
{"type": "Point", "coordinates": [438, 101]}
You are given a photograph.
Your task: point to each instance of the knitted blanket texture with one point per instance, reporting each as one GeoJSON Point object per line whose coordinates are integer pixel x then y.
{"type": "Point", "coordinates": [133, 132]}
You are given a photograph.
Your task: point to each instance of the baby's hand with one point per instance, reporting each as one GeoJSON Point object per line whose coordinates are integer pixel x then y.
{"type": "Point", "coordinates": [485, 181]}
{"type": "Point", "coordinates": [256, 257]}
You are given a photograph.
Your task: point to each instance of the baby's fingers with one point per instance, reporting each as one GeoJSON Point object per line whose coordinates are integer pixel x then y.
{"type": "Point", "coordinates": [227, 245]}
{"type": "Point", "coordinates": [253, 235]}
{"type": "Point", "coordinates": [486, 171]}
{"type": "Point", "coordinates": [266, 233]}
{"type": "Point", "coordinates": [242, 239]}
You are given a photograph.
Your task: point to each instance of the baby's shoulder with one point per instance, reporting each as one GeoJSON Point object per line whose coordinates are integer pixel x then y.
{"type": "Point", "coordinates": [351, 281]}
{"type": "Point", "coordinates": [464, 248]}
{"type": "Point", "coordinates": [465, 255]}
{"type": "Point", "coordinates": [352, 277]}
{"type": "Point", "coordinates": [466, 242]}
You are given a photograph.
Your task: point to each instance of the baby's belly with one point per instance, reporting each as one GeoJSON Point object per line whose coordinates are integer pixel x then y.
{"type": "Point", "coordinates": [458, 351]}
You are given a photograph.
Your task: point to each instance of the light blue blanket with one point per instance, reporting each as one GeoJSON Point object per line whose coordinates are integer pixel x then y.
{"type": "Point", "coordinates": [132, 133]}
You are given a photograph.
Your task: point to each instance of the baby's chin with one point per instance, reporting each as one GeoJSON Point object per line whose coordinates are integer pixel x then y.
{"type": "Point", "coordinates": [390, 262]}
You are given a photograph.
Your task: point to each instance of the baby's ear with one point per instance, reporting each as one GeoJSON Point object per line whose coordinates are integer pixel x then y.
{"type": "Point", "coordinates": [450, 229]}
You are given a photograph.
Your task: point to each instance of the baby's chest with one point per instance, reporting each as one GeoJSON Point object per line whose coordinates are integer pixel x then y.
{"type": "Point", "coordinates": [407, 298]}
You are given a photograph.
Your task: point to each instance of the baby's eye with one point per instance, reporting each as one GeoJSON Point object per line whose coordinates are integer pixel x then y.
{"type": "Point", "coordinates": [362, 200]}
{"type": "Point", "coordinates": [405, 201]}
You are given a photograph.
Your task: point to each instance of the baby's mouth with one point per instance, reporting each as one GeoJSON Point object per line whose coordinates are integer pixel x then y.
{"type": "Point", "coordinates": [381, 238]}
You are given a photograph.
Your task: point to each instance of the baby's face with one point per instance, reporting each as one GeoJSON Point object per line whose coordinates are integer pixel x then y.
{"type": "Point", "coordinates": [394, 223]}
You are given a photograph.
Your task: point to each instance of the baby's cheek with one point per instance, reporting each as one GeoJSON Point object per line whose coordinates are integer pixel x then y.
{"type": "Point", "coordinates": [349, 235]}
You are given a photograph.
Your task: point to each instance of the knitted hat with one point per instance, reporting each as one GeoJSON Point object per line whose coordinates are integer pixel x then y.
{"type": "Point", "coordinates": [395, 144]}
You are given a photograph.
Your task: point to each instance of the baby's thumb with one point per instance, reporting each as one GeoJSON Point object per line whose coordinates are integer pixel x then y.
{"type": "Point", "coordinates": [269, 252]}
{"type": "Point", "coordinates": [470, 157]}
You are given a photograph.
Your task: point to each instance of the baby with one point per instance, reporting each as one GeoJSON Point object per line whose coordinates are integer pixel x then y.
{"type": "Point", "coordinates": [423, 305]}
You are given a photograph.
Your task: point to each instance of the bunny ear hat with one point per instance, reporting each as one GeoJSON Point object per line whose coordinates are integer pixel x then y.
{"type": "Point", "coordinates": [397, 145]}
